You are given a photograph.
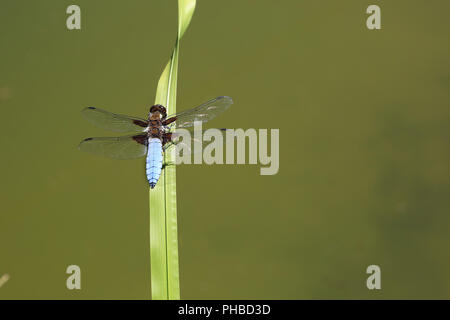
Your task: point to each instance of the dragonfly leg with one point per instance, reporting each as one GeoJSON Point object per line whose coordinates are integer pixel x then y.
{"type": "Point", "coordinates": [166, 164]}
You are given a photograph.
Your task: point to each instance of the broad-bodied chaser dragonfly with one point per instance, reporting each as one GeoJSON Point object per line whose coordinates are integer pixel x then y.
{"type": "Point", "coordinates": [152, 137]}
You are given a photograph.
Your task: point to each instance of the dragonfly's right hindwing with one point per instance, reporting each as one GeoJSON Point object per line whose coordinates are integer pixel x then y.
{"type": "Point", "coordinates": [125, 147]}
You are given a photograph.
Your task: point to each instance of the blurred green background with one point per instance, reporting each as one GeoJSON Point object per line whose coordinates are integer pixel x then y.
{"type": "Point", "coordinates": [364, 160]}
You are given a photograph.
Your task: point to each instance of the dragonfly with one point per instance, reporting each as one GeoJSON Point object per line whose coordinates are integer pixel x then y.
{"type": "Point", "coordinates": [151, 137]}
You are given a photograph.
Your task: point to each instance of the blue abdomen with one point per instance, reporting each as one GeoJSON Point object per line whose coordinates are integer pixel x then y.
{"type": "Point", "coordinates": [154, 161]}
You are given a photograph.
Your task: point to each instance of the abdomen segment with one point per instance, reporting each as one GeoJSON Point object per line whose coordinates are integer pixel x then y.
{"type": "Point", "coordinates": [154, 161]}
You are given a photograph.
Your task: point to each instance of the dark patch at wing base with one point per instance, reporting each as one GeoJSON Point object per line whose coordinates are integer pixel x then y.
{"type": "Point", "coordinates": [142, 139]}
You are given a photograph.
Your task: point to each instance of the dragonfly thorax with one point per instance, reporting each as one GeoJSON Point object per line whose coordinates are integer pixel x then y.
{"type": "Point", "coordinates": [155, 132]}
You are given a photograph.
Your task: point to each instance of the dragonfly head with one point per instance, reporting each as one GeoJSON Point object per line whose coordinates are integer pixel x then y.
{"type": "Point", "coordinates": [157, 112]}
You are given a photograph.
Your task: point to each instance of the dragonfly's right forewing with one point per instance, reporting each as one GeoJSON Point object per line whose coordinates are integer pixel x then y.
{"type": "Point", "coordinates": [114, 122]}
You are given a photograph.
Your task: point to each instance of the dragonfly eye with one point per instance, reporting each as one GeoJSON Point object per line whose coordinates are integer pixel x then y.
{"type": "Point", "coordinates": [160, 109]}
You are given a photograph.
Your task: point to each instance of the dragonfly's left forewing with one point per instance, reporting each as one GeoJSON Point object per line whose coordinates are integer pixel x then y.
{"type": "Point", "coordinates": [202, 113]}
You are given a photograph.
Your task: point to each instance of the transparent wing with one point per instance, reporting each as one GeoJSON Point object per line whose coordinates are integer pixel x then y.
{"type": "Point", "coordinates": [126, 147]}
{"type": "Point", "coordinates": [189, 145]}
{"type": "Point", "coordinates": [113, 122]}
{"type": "Point", "coordinates": [203, 112]}
{"type": "Point", "coordinates": [186, 142]}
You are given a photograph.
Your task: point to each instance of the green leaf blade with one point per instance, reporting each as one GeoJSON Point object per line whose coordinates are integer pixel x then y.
{"type": "Point", "coordinates": [163, 200]}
